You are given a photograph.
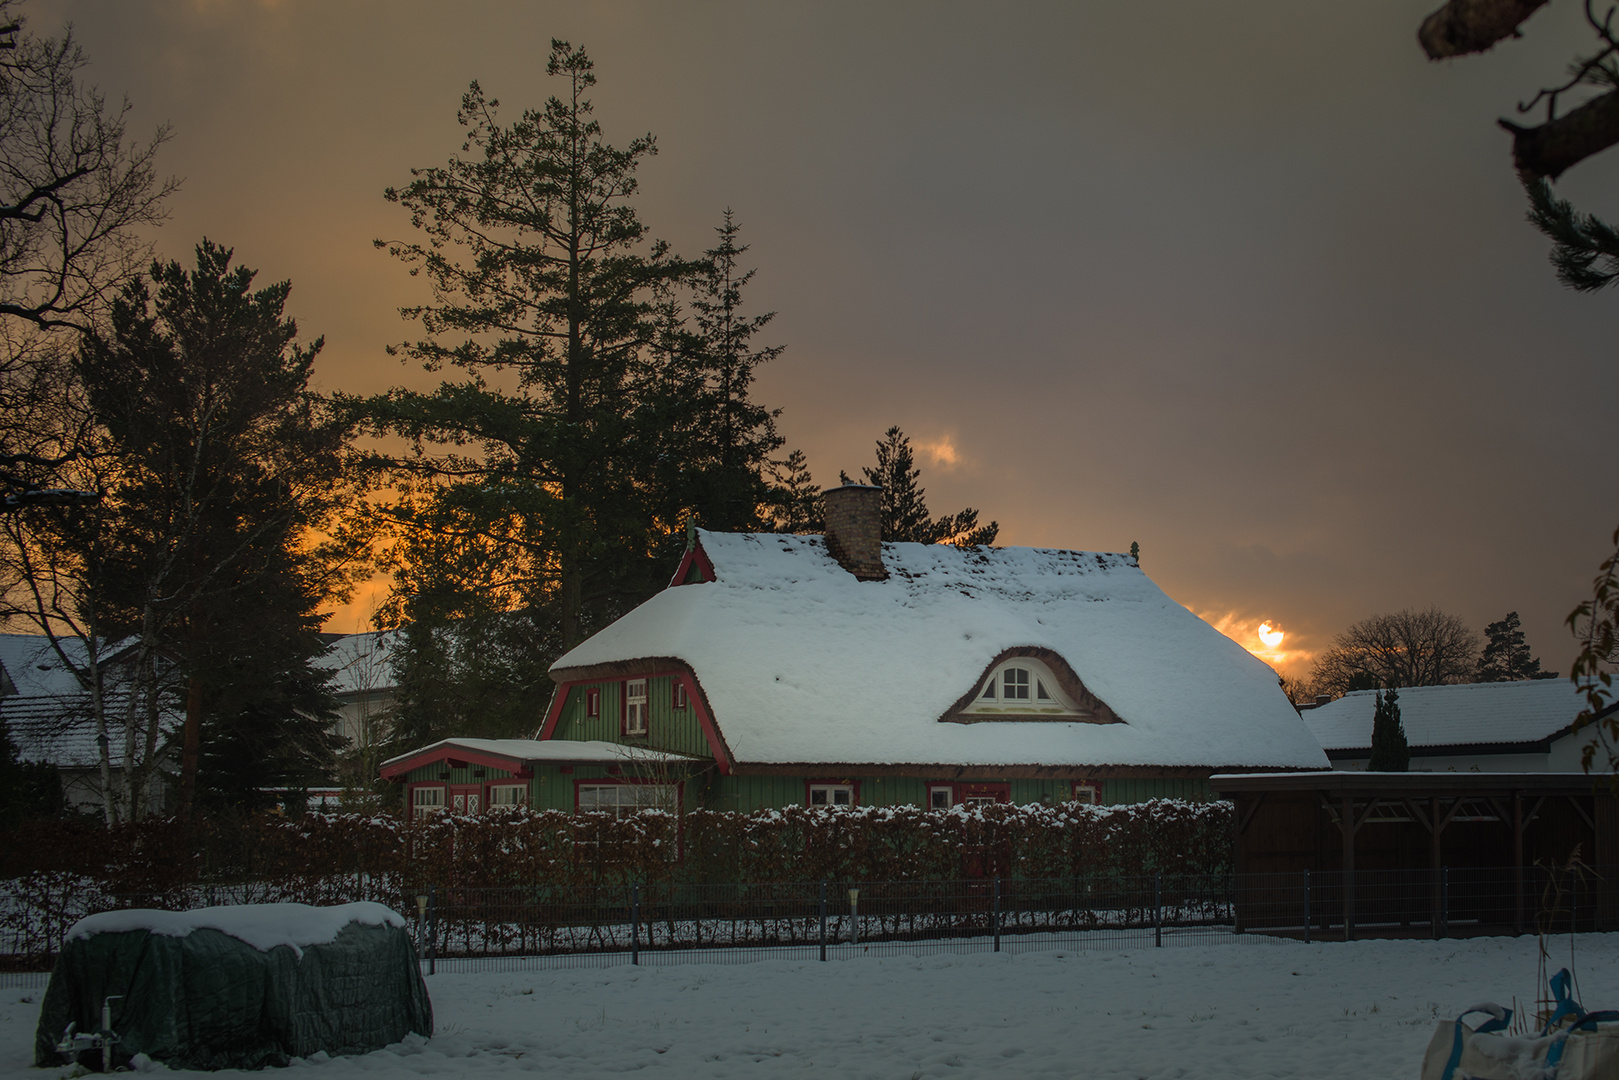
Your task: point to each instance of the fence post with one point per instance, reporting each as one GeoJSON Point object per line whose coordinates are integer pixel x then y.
{"type": "Point", "coordinates": [1444, 901]}
{"type": "Point", "coordinates": [995, 915]}
{"type": "Point", "coordinates": [432, 929]}
{"type": "Point", "coordinates": [854, 916]}
{"type": "Point", "coordinates": [1307, 906]}
{"type": "Point", "coordinates": [823, 918]}
{"type": "Point", "coordinates": [635, 924]}
{"type": "Point", "coordinates": [1158, 910]}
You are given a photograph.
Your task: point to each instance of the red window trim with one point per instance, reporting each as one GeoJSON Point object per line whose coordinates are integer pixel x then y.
{"type": "Point", "coordinates": [854, 785]}
{"type": "Point", "coordinates": [959, 791]}
{"type": "Point", "coordinates": [677, 694]}
{"type": "Point", "coordinates": [593, 701]}
{"type": "Point", "coordinates": [711, 734]}
{"type": "Point", "coordinates": [1073, 790]}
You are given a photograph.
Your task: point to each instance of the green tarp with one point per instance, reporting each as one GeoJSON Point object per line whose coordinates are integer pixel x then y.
{"type": "Point", "coordinates": [196, 997]}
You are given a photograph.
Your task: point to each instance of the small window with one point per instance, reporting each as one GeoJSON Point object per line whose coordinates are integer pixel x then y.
{"type": "Point", "coordinates": [508, 794]}
{"type": "Point", "coordinates": [1015, 684]}
{"type": "Point", "coordinates": [622, 799]}
{"type": "Point", "coordinates": [593, 702]}
{"type": "Point", "coordinates": [940, 797]}
{"type": "Point", "coordinates": [677, 696]}
{"type": "Point", "coordinates": [1088, 791]}
{"type": "Point", "coordinates": [426, 800]}
{"type": "Point", "coordinates": [831, 794]}
{"type": "Point", "coordinates": [635, 707]}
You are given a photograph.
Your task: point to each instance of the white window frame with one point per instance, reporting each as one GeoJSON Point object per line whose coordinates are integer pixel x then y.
{"type": "Point", "coordinates": [1046, 696]}
{"type": "Point", "coordinates": [635, 706]}
{"type": "Point", "coordinates": [518, 793]}
{"type": "Point", "coordinates": [623, 799]}
{"type": "Point", "coordinates": [829, 794]}
{"type": "Point", "coordinates": [934, 793]}
{"type": "Point", "coordinates": [421, 805]}
{"type": "Point", "coordinates": [1088, 792]}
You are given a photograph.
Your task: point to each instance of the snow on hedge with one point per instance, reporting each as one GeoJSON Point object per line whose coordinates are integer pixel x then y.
{"type": "Point", "coordinates": [803, 663]}
{"type": "Point", "coordinates": [263, 926]}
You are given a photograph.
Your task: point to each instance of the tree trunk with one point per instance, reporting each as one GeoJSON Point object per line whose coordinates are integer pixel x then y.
{"type": "Point", "coordinates": [191, 749]}
{"type": "Point", "coordinates": [1546, 151]}
{"type": "Point", "coordinates": [1469, 26]}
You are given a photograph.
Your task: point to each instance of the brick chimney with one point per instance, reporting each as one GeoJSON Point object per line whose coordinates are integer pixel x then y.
{"type": "Point", "coordinates": [854, 529]}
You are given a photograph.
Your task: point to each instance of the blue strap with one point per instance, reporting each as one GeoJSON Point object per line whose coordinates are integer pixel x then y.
{"type": "Point", "coordinates": [1561, 984]}
{"type": "Point", "coordinates": [1499, 1019]}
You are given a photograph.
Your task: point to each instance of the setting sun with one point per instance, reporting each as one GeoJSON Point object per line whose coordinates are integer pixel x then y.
{"type": "Point", "coordinates": [1270, 637]}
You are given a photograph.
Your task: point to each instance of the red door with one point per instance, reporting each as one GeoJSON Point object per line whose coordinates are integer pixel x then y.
{"type": "Point", "coordinates": [466, 798]}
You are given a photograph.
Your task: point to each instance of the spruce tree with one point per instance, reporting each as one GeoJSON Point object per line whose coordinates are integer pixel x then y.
{"type": "Point", "coordinates": [1390, 753]}
{"type": "Point", "coordinates": [226, 513]}
{"type": "Point", "coordinates": [796, 501]}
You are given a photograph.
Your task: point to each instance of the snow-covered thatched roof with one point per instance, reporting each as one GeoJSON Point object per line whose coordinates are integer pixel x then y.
{"type": "Point", "coordinates": [801, 663]}
{"type": "Point", "coordinates": [1463, 714]}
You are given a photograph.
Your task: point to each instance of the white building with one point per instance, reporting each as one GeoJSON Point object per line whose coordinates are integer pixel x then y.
{"type": "Point", "coordinates": [1467, 727]}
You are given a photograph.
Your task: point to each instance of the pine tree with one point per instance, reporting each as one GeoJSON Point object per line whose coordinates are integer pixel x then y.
{"type": "Point", "coordinates": [540, 269]}
{"type": "Point", "coordinates": [905, 509]}
{"type": "Point", "coordinates": [1390, 752]}
{"type": "Point", "coordinates": [1506, 656]}
{"type": "Point", "coordinates": [796, 504]}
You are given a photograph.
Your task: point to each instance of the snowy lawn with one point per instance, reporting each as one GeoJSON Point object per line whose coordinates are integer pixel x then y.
{"type": "Point", "coordinates": [1211, 1012]}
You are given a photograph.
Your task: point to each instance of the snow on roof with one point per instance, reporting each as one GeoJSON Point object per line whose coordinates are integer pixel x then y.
{"type": "Point", "coordinates": [35, 669]}
{"type": "Point", "coordinates": [1463, 714]}
{"type": "Point", "coordinates": [537, 750]}
{"type": "Point", "coordinates": [361, 663]}
{"type": "Point", "coordinates": [802, 663]}
{"type": "Point", "coordinates": [263, 926]}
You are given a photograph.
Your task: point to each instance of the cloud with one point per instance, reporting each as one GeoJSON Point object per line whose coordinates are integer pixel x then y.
{"type": "Point", "coordinates": [941, 451]}
{"type": "Point", "coordinates": [1287, 657]}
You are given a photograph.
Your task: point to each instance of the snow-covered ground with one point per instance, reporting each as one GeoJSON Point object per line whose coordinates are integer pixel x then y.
{"type": "Point", "coordinates": [1211, 1012]}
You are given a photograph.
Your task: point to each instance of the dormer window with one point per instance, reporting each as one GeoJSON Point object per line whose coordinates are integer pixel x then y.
{"type": "Point", "coordinates": [1024, 686]}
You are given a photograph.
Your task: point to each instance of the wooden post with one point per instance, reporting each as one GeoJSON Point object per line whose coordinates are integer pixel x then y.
{"type": "Point", "coordinates": [1517, 862]}
{"type": "Point", "coordinates": [1347, 822]}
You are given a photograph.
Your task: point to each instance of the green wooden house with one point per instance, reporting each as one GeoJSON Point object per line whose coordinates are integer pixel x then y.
{"type": "Point", "coordinates": [778, 670]}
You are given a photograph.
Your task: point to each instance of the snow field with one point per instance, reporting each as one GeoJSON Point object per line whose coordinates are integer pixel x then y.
{"type": "Point", "coordinates": [1220, 1012]}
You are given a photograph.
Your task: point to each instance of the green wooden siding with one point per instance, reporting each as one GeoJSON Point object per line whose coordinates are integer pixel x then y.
{"type": "Point", "coordinates": [668, 728]}
{"type": "Point", "coordinates": [553, 789]}
{"type": "Point", "coordinates": [460, 774]}
{"type": "Point", "coordinates": [1134, 790]}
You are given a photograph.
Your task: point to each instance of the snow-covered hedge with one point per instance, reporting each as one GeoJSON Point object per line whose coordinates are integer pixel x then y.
{"type": "Point", "coordinates": [516, 846]}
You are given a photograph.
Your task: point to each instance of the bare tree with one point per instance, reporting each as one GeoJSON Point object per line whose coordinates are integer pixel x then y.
{"type": "Point", "coordinates": [73, 188]}
{"type": "Point", "coordinates": [1407, 648]}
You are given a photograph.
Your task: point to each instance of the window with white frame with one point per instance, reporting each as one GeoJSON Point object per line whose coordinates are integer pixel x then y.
{"type": "Point", "coordinates": [677, 696]}
{"type": "Point", "coordinates": [831, 794]}
{"type": "Point", "coordinates": [508, 794]}
{"type": "Point", "coordinates": [426, 800]}
{"type": "Point", "coordinates": [940, 797]}
{"type": "Point", "coordinates": [635, 707]}
{"type": "Point", "coordinates": [1088, 791]}
{"type": "Point", "coordinates": [1024, 686]}
{"type": "Point", "coordinates": [593, 702]}
{"type": "Point", "coordinates": [622, 799]}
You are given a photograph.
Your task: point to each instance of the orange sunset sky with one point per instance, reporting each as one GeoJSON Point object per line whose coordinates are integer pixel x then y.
{"type": "Point", "coordinates": [1247, 284]}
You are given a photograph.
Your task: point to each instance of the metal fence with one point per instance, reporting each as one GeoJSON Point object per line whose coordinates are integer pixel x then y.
{"type": "Point", "coordinates": [463, 928]}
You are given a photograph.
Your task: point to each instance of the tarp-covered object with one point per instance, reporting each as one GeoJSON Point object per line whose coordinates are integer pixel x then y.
{"type": "Point", "coordinates": [238, 987]}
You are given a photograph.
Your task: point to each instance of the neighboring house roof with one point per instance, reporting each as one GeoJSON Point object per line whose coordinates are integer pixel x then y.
{"type": "Point", "coordinates": [1459, 715]}
{"type": "Point", "coordinates": [361, 663]}
{"type": "Point", "coordinates": [801, 663]}
{"type": "Point", "coordinates": [513, 754]}
{"type": "Point", "coordinates": [47, 712]}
